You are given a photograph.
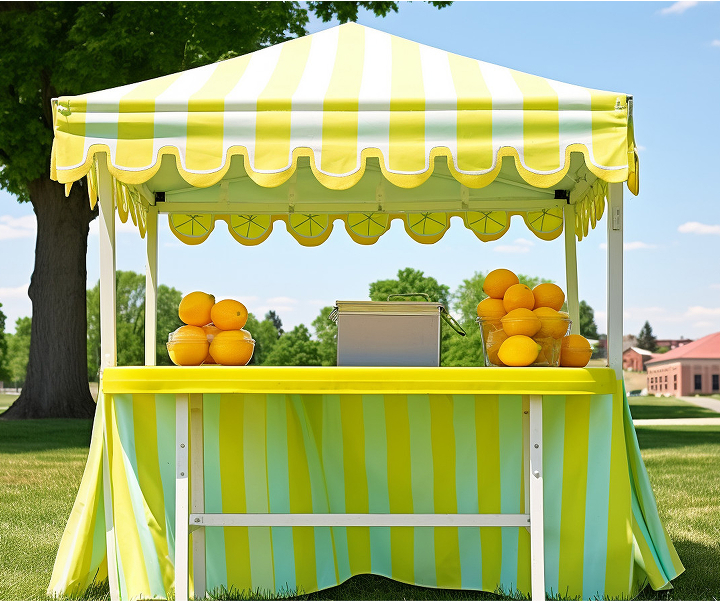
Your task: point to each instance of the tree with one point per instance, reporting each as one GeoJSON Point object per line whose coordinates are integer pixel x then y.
{"type": "Point", "coordinates": [265, 334]}
{"type": "Point", "coordinates": [326, 334]}
{"type": "Point", "coordinates": [274, 318]}
{"type": "Point", "coordinates": [52, 49]}
{"type": "Point", "coordinates": [4, 358]}
{"type": "Point", "coordinates": [19, 350]}
{"type": "Point", "coordinates": [646, 340]}
{"type": "Point", "coordinates": [588, 328]}
{"type": "Point", "coordinates": [295, 348]}
{"type": "Point", "coordinates": [130, 320]}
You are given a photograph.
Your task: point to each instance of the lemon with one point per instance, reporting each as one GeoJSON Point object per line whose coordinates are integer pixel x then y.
{"type": "Point", "coordinates": [520, 322]}
{"type": "Point", "coordinates": [553, 324]}
{"type": "Point", "coordinates": [519, 351]}
{"type": "Point", "coordinates": [498, 281]}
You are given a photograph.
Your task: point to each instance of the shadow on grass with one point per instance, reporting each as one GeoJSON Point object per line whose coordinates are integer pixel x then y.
{"type": "Point", "coordinates": [672, 437]}
{"type": "Point", "coordinates": [670, 411]}
{"type": "Point", "coordinates": [34, 435]}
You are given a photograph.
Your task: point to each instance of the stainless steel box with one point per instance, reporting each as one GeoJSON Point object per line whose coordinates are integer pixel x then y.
{"type": "Point", "coordinates": [388, 333]}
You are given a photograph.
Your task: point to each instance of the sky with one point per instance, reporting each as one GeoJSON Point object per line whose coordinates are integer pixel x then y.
{"type": "Point", "coordinates": [667, 55]}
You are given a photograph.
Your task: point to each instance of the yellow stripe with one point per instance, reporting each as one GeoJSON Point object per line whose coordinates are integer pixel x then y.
{"type": "Point", "coordinates": [300, 501]}
{"type": "Point", "coordinates": [274, 106]}
{"type": "Point", "coordinates": [541, 123]}
{"type": "Point", "coordinates": [69, 142]}
{"type": "Point", "coordinates": [402, 540]}
{"type": "Point", "coordinates": [572, 525]}
{"type": "Point", "coordinates": [407, 106]}
{"type": "Point", "coordinates": [340, 118]}
{"type": "Point", "coordinates": [146, 452]}
{"type": "Point", "coordinates": [232, 475]}
{"type": "Point", "coordinates": [609, 129]}
{"type": "Point", "coordinates": [206, 116]}
{"type": "Point", "coordinates": [356, 491]}
{"type": "Point", "coordinates": [447, 547]}
{"type": "Point", "coordinates": [136, 123]}
{"type": "Point", "coordinates": [487, 420]}
{"type": "Point", "coordinates": [619, 535]}
{"type": "Point", "coordinates": [130, 548]}
{"type": "Point", "coordinates": [474, 115]}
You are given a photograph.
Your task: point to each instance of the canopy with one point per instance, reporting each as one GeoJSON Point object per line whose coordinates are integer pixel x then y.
{"type": "Point", "coordinates": [354, 124]}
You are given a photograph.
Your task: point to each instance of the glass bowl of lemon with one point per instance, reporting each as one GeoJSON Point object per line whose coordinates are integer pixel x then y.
{"type": "Point", "coordinates": [524, 338]}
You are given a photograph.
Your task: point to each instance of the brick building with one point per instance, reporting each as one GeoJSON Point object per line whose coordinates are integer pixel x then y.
{"type": "Point", "coordinates": [634, 358]}
{"type": "Point", "coordinates": [692, 368]}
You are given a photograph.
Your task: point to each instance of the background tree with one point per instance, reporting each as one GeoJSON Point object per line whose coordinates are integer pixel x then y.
{"type": "Point", "coordinates": [326, 335]}
{"type": "Point", "coordinates": [52, 49]}
{"type": "Point", "coordinates": [130, 318]}
{"type": "Point", "coordinates": [265, 334]}
{"type": "Point", "coordinates": [274, 318]}
{"type": "Point", "coordinates": [19, 351]}
{"type": "Point", "coordinates": [588, 328]}
{"type": "Point", "coordinates": [646, 340]}
{"type": "Point", "coordinates": [295, 348]}
{"type": "Point", "coordinates": [4, 358]}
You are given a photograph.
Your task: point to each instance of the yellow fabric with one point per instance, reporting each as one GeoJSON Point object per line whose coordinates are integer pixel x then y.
{"type": "Point", "coordinates": [339, 97]}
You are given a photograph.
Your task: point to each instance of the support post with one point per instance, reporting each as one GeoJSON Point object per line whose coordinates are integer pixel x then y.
{"type": "Point", "coordinates": [108, 339]}
{"type": "Point", "coordinates": [571, 270]}
{"type": "Point", "coordinates": [537, 518]}
{"type": "Point", "coordinates": [110, 541]}
{"type": "Point", "coordinates": [197, 493]}
{"type": "Point", "coordinates": [182, 513]}
{"type": "Point", "coordinates": [151, 265]}
{"type": "Point", "coordinates": [615, 278]}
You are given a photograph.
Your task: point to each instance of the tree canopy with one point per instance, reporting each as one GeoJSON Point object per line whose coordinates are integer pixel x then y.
{"type": "Point", "coordinates": [645, 339]}
{"type": "Point", "coordinates": [4, 357]}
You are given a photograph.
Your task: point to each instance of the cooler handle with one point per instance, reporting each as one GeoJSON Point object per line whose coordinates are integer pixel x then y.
{"type": "Point", "coordinates": [446, 317]}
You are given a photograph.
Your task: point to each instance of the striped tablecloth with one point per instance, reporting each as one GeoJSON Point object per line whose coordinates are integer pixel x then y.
{"type": "Point", "coordinates": [377, 453]}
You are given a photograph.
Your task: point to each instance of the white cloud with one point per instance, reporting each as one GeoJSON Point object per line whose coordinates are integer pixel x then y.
{"type": "Point", "coordinates": [695, 227]}
{"type": "Point", "coordinates": [120, 227]}
{"type": "Point", "coordinates": [12, 228]}
{"type": "Point", "coordinates": [637, 245]}
{"type": "Point", "coordinates": [677, 8]}
{"type": "Point", "coordinates": [640, 147]}
{"type": "Point", "coordinates": [521, 245]}
{"type": "Point", "coordinates": [715, 43]}
{"type": "Point", "coordinates": [282, 300]}
{"type": "Point", "coordinates": [19, 292]}
{"type": "Point", "coordinates": [704, 325]}
{"type": "Point", "coordinates": [698, 311]}
{"type": "Point", "coordinates": [714, 286]}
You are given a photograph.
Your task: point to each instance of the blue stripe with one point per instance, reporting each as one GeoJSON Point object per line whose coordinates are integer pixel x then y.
{"type": "Point", "coordinates": [467, 489]}
{"type": "Point", "coordinates": [511, 474]}
{"type": "Point", "coordinates": [421, 469]}
{"type": "Point", "coordinates": [377, 480]}
{"type": "Point", "coordinates": [553, 452]}
{"type": "Point", "coordinates": [279, 490]}
{"type": "Point", "coordinates": [597, 497]}
{"type": "Point", "coordinates": [215, 567]}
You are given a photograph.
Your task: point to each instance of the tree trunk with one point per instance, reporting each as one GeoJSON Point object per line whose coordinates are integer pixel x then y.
{"type": "Point", "coordinates": [57, 384]}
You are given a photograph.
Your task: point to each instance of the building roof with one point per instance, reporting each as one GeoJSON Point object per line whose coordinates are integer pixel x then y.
{"type": "Point", "coordinates": [707, 347]}
{"type": "Point", "coordinates": [639, 351]}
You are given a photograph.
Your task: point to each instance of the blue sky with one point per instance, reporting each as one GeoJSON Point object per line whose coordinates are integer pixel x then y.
{"type": "Point", "coordinates": [667, 55]}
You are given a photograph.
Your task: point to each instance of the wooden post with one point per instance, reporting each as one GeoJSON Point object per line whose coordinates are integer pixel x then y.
{"type": "Point", "coordinates": [197, 492]}
{"type": "Point", "coordinates": [537, 518]}
{"type": "Point", "coordinates": [108, 339]}
{"type": "Point", "coordinates": [571, 270]}
{"type": "Point", "coordinates": [182, 513]}
{"type": "Point", "coordinates": [615, 278]}
{"type": "Point", "coordinates": [151, 265]}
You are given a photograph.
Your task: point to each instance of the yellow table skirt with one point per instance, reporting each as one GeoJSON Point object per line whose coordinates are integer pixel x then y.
{"type": "Point", "coordinates": [371, 440]}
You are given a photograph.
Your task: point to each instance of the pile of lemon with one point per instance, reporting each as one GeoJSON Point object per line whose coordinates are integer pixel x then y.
{"type": "Point", "coordinates": [523, 326]}
{"type": "Point", "coordinates": [213, 333]}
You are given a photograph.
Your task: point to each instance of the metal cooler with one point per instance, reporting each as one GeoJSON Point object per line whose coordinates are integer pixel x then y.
{"type": "Point", "coordinates": [388, 333]}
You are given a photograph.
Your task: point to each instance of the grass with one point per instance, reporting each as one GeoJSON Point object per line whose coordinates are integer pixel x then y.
{"type": "Point", "coordinates": [651, 407]}
{"type": "Point", "coordinates": [41, 463]}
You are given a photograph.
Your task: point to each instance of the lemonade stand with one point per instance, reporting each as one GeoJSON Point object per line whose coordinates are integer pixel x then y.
{"type": "Point", "coordinates": [297, 478]}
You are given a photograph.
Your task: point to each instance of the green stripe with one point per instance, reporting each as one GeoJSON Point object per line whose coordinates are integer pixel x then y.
{"type": "Point", "coordinates": [553, 452]}
{"type": "Point", "coordinates": [598, 496]}
{"type": "Point", "coordinates": [332, 455]}
{"type": "Point", "coordinates": [279, 490]}
{"type": "Point", "coordinates": [165, 416]}
{"type": "Point", "coordinates": [467, 489]}
{"type": "Point", "coordinates": [376, 458]}
{"type": "Point", "coordinates": [511, 474]}
{"type": "Point", "coordinates": [126, 432]}
{"type": "Point", "coordinates": [422, 486]}
{"type": "Point", "coordinates": [215, 566]}
{"type": "Point", "coordinates": [256, 489]}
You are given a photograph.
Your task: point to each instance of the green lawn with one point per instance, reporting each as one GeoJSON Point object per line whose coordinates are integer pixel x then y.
{"type": "Point", "coordinates": [41, 463]}
{"type": "Point", "coordinates": [651, 407]}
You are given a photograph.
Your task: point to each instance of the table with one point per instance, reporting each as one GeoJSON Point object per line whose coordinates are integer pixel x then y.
{"type": "Point", "coordinates": [367, 445]}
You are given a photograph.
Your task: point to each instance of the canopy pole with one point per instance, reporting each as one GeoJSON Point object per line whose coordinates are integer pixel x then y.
{"type": "Point", "coordinates": [571, 269]}
{"type": "Point", "coordinates": [106, 201]}
{"type": "Point", "coordinates": [615, 278]}
{"type": "Point", "coordinates": [151, 266]}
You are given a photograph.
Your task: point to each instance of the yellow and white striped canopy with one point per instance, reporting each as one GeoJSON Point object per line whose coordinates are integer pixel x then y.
{"type": "Point", "coordinates": [340, 102]}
